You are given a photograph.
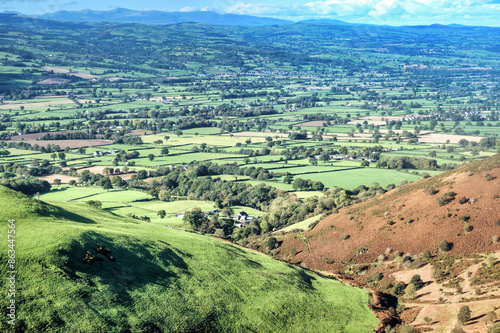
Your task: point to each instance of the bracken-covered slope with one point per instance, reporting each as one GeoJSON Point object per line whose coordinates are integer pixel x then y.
{"type": "Point", "coordinates": [80, 269]}
{"type": "Point", "coordinates": [461, 206]}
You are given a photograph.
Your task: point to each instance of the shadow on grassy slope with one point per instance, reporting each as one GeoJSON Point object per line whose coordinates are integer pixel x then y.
{"type": "Point", "coordinates": [132, 265]}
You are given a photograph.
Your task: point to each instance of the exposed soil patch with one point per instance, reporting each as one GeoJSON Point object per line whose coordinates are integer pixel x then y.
{"type": "Point", "coordinates": [100, 169]}
{"type": "Point", "coordinates": [84, 76]}
{"type": "Point", "coordinates": [64, 179]}
{"type": "Point", "coordinates": [14, 105]}
{"type": "Point", "coordinates": [53, 80]}
{"type": "Point", "coordinates": [67, 71]}
{"type": "Point", "coordinates": [441, 138]}
{"type": "Point", "coordinates": [257, 134]}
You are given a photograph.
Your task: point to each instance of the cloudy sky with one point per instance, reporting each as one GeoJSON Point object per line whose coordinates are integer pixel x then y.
{"type": "Point", "coordinates": [391, 12]}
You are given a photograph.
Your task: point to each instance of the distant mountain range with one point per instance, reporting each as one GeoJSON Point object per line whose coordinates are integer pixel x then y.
{"type": "Point", "coordinates": [160, 17]}
{"type": "Point", "coordinates": [156, 17]}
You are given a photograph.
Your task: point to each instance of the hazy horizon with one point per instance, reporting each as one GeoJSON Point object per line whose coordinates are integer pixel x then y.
{"type": "Point", "coordinates": [380, 12]}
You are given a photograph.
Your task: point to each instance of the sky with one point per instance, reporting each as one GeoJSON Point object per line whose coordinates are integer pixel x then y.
{"type": "Point", "coordinates": [389, 12]}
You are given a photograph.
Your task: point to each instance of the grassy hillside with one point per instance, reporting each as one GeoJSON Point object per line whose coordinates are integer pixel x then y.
{"type": "Point", "coordinates": [157, 279]}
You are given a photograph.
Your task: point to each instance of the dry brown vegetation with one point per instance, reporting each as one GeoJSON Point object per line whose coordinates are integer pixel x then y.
{"type": "Point", "coordinates": [389, 235]}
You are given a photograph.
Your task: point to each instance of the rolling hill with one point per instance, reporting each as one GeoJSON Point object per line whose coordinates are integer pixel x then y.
{"type": "Point", "coordinates": [443, 231]}
{"type": "Point", "coordinates": [83, 269]}
{"type": "Point", "coordinates": [460, 206]}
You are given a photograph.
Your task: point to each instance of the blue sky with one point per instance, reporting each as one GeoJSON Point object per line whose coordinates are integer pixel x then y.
{"type": "Point", "coordinates": [391, 12]}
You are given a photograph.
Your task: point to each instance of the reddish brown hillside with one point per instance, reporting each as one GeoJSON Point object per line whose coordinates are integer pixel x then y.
{"type": "Point", "coordinates": [408, 219]}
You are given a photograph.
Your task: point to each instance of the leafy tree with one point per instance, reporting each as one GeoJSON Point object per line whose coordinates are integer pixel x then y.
{"type": "Point", "coordinates": [161, 214]}
{"type": "Point", "coordinates": [106, 185]}
{"type": "Point", "coordinates": [142, 174]}
{"type": "Point", "coordinates": [324, 157]}
{"type": "Point", "coordinates": [227, 211]}
{"type": "Point", "coordinates": [271, 243]}
{"type": "Point", "coordinates": [151, 157]}
{"type": "Point", "coordinates": [164, 151]}
{"type": "Point", "coordinates": [299, 184]}
{"type": "Point", "coordinates": [318, 186]}
{"type": "Point", "coordinates": [195, 218]}
{"type": "Point", "coordinates": [288, 179]}
{"type": "Point", "coordinates": [313, 161]}
{"type": "Point", "coordinates": [154, 193]}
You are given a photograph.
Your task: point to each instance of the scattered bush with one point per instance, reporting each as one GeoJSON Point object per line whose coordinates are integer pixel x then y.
{"type": "Point", "coordinates": [430, 190]}
{"type": "Point", "coordinates": [457, 329]}
{"type": "Point", "coordinates": [468, 227]}
{"type": "Point", "coordinates": [491, 317]}
{"type": "Point", "coordinates": [406, 258]}
{"type": "Point", "coordinates": [375, 277]}
{"type": "Point", "coordinates": [407, 329]}
{"type": "Point", "coordinates": [416, 280]}
{"type": "Point", "coordinates": [488, 176]}
{"type": "Point", "coordinates": [344, 236]}
{"type": "Point", "coordinates": [442, 200]}
{"type": "Point", "coordinates": [398, 288]}
{"type": "Point", "coordinates": [426, 255]}
{"type": "Point", "coordinates": [410, 291]}
{"type": "Point", "coordinates": [445, 198]}
{"type": "Point", "coordinates": [464, 314]}
{"type": "Point", "coordinates": [462, 200]}
{"type": "Point", "coordinates": [94, 203]}
{"type": "Point", "coordinates": [494, 328]}
{"type": "Point", "coordinates": [444, 246]}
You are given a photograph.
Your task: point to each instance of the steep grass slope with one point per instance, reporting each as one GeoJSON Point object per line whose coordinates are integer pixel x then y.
{"type": "Point", "coordinates": [147, 278]}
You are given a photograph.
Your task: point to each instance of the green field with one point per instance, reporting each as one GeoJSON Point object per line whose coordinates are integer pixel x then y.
{"type": "Point", "coordinates": [304, 225]}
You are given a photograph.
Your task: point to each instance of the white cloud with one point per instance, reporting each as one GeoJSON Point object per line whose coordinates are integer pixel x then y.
{"type": "Point", "coordinates": [188, 9]}
{"type": "Point", "coordinates": [395, 12]}
{"type": "Point", "coordinates": [255, 9]}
